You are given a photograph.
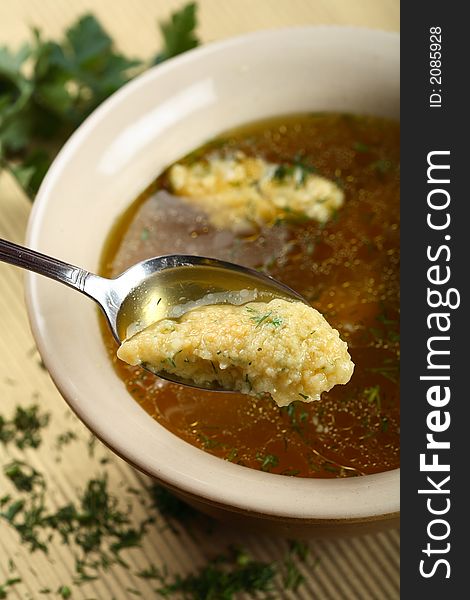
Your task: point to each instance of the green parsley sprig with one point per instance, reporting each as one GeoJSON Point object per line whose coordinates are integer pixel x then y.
{"type": "Point", "coordinates": [47, 88]}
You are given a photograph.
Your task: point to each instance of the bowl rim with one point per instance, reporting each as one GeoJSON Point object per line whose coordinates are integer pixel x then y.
{"type": "Point", "coordinates": [386, 482]}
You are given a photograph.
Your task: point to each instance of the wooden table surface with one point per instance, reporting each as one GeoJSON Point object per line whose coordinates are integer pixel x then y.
{"type": "Point", "coordinates": [361, 568]}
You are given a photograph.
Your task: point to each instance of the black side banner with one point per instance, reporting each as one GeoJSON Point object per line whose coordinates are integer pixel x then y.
{"type": "Point", "coordinates": [434, 284]}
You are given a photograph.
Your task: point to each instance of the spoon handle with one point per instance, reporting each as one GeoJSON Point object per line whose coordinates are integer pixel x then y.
{"type": "Point", "coordinates": [53, 268]}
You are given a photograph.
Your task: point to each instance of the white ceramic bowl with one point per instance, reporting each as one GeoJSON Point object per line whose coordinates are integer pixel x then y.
{"type": "Point", "coordinates": [167, 112]}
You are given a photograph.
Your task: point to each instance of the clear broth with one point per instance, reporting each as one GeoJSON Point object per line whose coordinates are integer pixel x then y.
{"type": "Point", "coordinates": [348, 269]}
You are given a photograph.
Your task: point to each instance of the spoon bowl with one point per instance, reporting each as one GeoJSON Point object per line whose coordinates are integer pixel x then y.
{"type": "Point", "coordinates": [154, 289]}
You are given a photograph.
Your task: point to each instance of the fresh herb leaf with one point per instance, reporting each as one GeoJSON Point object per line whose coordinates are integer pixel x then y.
{"type": "Point", "coordinates": [267, 318]}
{"type": "Point", "coordinates": [389, 370]}
{"type": "Point", "coordinates": [24, 477]}
{"type": "Point", "coordinates": [293, 578]}
{"type": "Point", "coordinates": [298, 170]}
{"type": "Point", "coordinates": [299, 549]}
{"type": "Point", "coordinates": [24, 428]}
{"type": "Point", "coordinates": [292, 216]}
{"type": "Point", "coordinates": [387, 329]}
{"type": "Point", "coordinates": [232, 455]}
{"type": "Point", "coordinates": [152, 572]}
{"type": "Point", "coordinates": [361, 147]}
{"type": "Point", "coordinates": [207, 442]}
{"type": "Point", "coordinates": [65, 438]}
{"type": "Point", "coordinates": [179, 33]}
{"type": "Point", "coordinates": [381, 166]}
{"type": "Point", "coordinates": [260, 320]}
{"type": "Point", "coordinates": [373, 396]}
{"type": "Point", "coordinates": [224, 577]}
{"type": "Point", "coordinates": [49, 87]}
{"type": "Point", "coordinates": [95, 524]}
{"type": "Point", "coordinates": [283, 171]}
{"type": "Point", "coordinates": [331, 468]}
{"type": "Point", "coordinates": [290, 472]}
{"type": "Point", "coordinates": [169, 360]}
{"type": "Point", "coordinates": [64, 591]}
{"type": "Point", "coordinates": [10, 582]}
{"type": "Point", "coordinates": [277, 321]}
{"type": "Point", "coordinates": [268, 461]}
{"type": "Point", "coordinates": [296, 413]}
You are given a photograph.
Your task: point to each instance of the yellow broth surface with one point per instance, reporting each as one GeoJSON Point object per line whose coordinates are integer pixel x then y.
{"type": "Point", "coordinates": [347, 268]}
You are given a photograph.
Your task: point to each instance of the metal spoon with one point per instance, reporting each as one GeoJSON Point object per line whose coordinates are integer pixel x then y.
{"type": "Point", "coordinates": [156, 288]}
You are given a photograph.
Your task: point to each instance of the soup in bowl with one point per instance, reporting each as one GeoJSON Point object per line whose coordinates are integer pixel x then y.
{"type": "Point", "coordinates": [215, 153]}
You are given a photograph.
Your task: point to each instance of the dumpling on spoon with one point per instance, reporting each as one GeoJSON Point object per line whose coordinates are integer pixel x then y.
{"type": "Point", "coordinates": [283, 348]}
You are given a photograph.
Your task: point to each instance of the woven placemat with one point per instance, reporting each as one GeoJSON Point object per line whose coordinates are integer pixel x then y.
{"type": "Point", "coordinates": [359, 568]}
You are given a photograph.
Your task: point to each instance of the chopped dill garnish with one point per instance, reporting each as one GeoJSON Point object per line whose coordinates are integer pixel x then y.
{"type": "Point", "coordinates": [95, 524]}
{"type": "Point", "coordinates": [24, 429]}
{"type": "Point", "coordinates": [390, 370]}
{"type": "Point", "coordinates": [283, 171]}
{"type": "Point", "coordinates": [208, 442]}
{"type": "Point", "coordinates": [382, 317]}
{"type": "Point", "coordinates": [299, 549]}
{"type": "Point", "coordinates": [65, 438]}
{"type": "Point", "coordinates": [170, 360]}
{"type": "Point", "coordinates": [133, 591]}
{"type": "Point", "coordinates": [277, 321]}
{"type": "Point", "coordinates": [24, 477]}
{"type": "Point", "coordinates": [10, 582]}
{"type": "Point", "coordinates": [223, 578]}
{"type": "Point", "coordinates": [64, 592]}
{"type": "Point", "coordinates": [381, 166]}
{"type": "Point", "coordinates": [384, 424]}
{"type": "Point", "coordinates": [232, 455]}
{"type": "Point", "coordinates": [268, 461]}
{"type": "Point", "coordinates": [305, 397]}
{"type": "Point", "coordinates": [296, 418]}
{"type": "Point", "coordinates": [293, 216]}
{"type": "Point", "coordinates": [152, 572]}
{"type": "Point", "coordinates": [292, 577]}
{"type": "Point", "coordinates": [290, 472]}
{"type": "Point", "coordinates": [361, 147]}
{"type": "Point", "coordinates": [373, 396]}
{"type": "Point", "coordinates": [91, 445]}
{"type": "Point", "coordinates": [268, 318]}
{"type": "Point", "coordinates": [309, 248]}
{"type": "Point", "coordinates": [331, 468]}
{"type": "Point", "coordinates": [144, 234]}
{"type": "Point", "coordinates": [260, 320]}
{"type": "Point", "coordinates": [298, 170]}
{"type": "Point", "coordinates": [389, 332]}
